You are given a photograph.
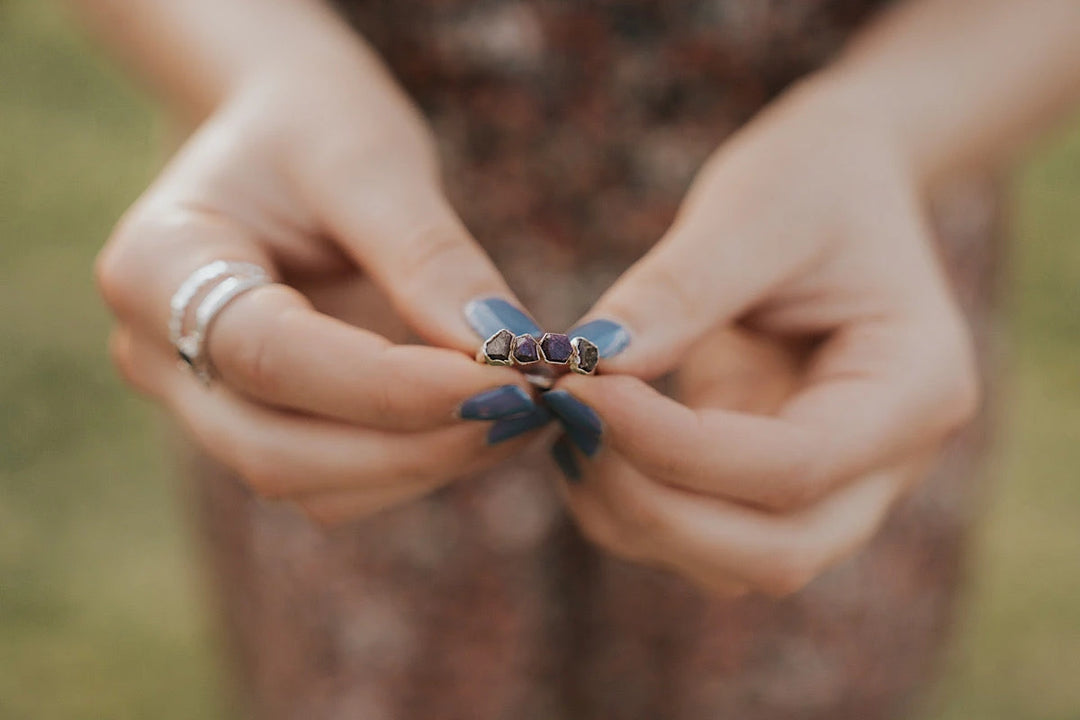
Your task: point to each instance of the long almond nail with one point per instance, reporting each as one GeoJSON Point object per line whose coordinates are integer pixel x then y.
{"type": "Point", "coordinates": [562, 452]}
{"type": "Point", "coordinates": [580, 421]}
{"type": "Point", "coordinates": [487, 316]}
{"type": "Point", "coordinates": [502, 402]}
{"type": "Point", "coordinates": [510, 428]}
{"type": "Point", "coordinates": [609, 337]}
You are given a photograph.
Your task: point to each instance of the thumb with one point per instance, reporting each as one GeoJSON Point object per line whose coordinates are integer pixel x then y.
{"type": "Point", "coordinates": [701, 274]}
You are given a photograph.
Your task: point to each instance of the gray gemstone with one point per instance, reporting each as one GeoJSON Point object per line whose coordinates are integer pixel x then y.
{"type": "Point", "coordinates": [497, 347]}
{"type": "Point", "coordinates": [586, 356]}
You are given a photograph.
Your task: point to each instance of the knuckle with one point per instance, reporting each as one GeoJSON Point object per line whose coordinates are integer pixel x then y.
{"type": "Point", "coordinates": [395, 400]}
{"type": "Point", "coordinates": [261, 470]}
{"type": "Point", "coordinates": [963, 399]}
{"type": "Point", "coordinates": [731, 592]}
{"type": "Point", "coordinates": [265, 480]}
{"type": "Point", "coordinates": [802, 479]}
{"type": "Point", "coordinates": [427, 252]}
{"type": "Point", "coordinates": [793, 494]}
{"type": "Point", "coordinates": [320, 514]}
{"type": "Point", "coordinates": [622, 388]}
{"type": "Point", "coordinates": [442, 458]}
{"type": "Point", "coordinates": [787, 572]}
{"type": "Point", "coordinates": [787, 579]}
{"type": "Point", "coordinates": [959, 391]}
{"type": "Point", "coordinates": [131, 365]}
{"type": "Point", "coordinates": [720, 587]}
{"type": "Point", "coordinates": [255, 354]}
{"type": "Point", "coordinates": [405, 396]}
{"type": "Point", "coordinates": [253, 357]}
{"type": "Point", "coordinates": [447, 460]}
{"type": "Point", "coordinates": [123, 360]}
{"type": "Point", "coordinates": [598, 533]}
{"type": "Point", "coordinates": [675, 289]}
{"type": "Point", "coordinates": [796, 491]}
{"type": "Point", "coordinates": [115, 266]}
{"type": "Point", "coordinates": [640, 516]}
{"type": "Point", "coordinates": [383, 403]}
{"type": "Point", "coordinates": [610, 539]}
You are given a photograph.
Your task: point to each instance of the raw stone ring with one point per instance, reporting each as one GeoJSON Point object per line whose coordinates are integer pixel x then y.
{"type": "Point", "coordinates": [554, 350]}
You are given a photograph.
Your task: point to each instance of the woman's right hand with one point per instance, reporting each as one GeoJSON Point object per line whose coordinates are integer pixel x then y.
{"type": "Point", "coordinates": [328, 179]}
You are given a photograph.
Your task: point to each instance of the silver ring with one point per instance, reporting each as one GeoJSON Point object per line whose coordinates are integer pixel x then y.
{"type": "Point", "coordinates": [195, 282]}
{"type": "Point", "coordinates": [543, 360]}
{"type": "Point", "coordinates": [192, 347]}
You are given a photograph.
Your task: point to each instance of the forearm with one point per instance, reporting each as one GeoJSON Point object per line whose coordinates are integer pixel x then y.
{"type": "Point", "coordinates": [965, 83]}
{"type": "Point", "coordinates": [195, 52]}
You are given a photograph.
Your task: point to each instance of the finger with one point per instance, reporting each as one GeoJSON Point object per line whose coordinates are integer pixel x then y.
{"type": "Point", "coordinates": [335, 508]}
{"type": "Point", "coordinates": [270, 343]}
{"type": "Point", "coordinates": [601, 525]}
{"type": "Point", "coordinates": [730, 254]}
{"type": "Point", "coordinates": [733, 368]}
{"type": "Point", "coordinates": [872, 398]}
{"type": "Point", "coordinates": [283, 454]}
{"type": "Point", "coordinates": [156, 247]}
{"type": "Point", "coordinates": [401, 229]}
{"type": "Point", "coordinates": [715, 262]}
{"type": "Point", "coordinates": [614, 529]}
{"type": "Point", "coordinates": [708, 538]}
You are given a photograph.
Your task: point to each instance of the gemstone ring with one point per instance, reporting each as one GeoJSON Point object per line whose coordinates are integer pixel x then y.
{"type": "Point", "coordinates": [232, 279]}
{"type": "Point", "coordinates": [554, 351]}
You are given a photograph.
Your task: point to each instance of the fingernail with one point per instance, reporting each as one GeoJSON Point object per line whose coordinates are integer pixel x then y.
{"type": "Point", "coordinates": [513, 427]}
{"type": "Point", "coordinates": [502, 402]}
{"type": "Point", "coordinates": [581, 422]}
{"type": "Point", "coordinates": [609, 337]}
{"type": "Point", "coordinates": [563, 454]}
{"type": "Point", "coordinates": [487, 316]}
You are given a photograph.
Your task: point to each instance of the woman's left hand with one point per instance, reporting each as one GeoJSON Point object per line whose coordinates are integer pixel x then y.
{"type": "Point", "coordinates": [807, 227]}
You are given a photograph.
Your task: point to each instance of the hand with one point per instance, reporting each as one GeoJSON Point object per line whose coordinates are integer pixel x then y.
{"type": "Point", "coordinates": [313, 177]}
{"type": "Point", "coordinates": [808, 228]}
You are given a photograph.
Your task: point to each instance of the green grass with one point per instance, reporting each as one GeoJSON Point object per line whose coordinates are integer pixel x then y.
{"type": "Point", "coordinates": [100, 608]}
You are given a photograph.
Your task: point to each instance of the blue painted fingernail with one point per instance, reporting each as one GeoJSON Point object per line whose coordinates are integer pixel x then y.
{"type": "Point", "coordinates": [513, 427]}
{"type": "Point", "coordinates": [502, 402]}
{"type": "Point", "coordinates": [581, 422]}
{"type": "Point", "coordinates": [609, 337]}
{"type": "Point", "coordinates": [487, 316]}
{"type": "Point", "coordinates": [563, 454]}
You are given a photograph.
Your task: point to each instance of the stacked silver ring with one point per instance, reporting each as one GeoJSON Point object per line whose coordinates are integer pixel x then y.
{"type": "Point", "coordinates": [233, 280]}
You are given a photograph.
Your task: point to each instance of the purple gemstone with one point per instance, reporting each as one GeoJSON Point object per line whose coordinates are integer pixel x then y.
{"type": "Point", "coordinates": [556, 348]}
{"type": "Point", "coordinates": [526, 350]}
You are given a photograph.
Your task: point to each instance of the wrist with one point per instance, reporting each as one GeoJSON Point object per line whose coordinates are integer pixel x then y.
{"type": "Point", "coordinates": [873, 106]}
{"type": "Point", "coordinates": [199, 54]}
{"type": "Point", "coordinates": [303, 43]}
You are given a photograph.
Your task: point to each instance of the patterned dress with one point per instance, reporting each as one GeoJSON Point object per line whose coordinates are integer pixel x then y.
{"type": "Point", "coordinates": [570, 130]}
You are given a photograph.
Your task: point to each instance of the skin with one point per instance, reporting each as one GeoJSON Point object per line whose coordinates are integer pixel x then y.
{"type": "Point", "coordinates": [341, 198]}
{"type": "Point", "coordinates": [801, 259]}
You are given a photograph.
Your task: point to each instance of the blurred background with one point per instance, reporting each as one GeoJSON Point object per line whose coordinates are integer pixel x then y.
{"type": "Point", "coordinates": [101, 612]}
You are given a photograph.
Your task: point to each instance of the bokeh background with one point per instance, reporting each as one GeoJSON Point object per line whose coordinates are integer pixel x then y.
{"type": "Point", "coordinates": [101, 611]}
